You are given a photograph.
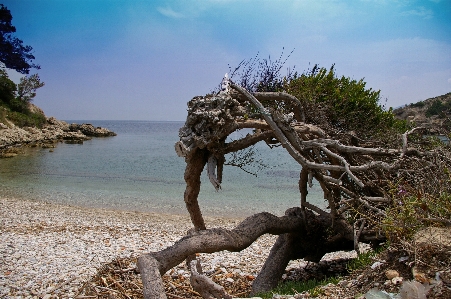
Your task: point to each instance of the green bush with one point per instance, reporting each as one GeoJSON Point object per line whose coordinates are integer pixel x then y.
{"type": "Point", "coordinates": [27, 119]}
{"type": "Point", "coordinates": [413, 210]}
{"type": "Point", "coordinates": [439, 108]}
{"type": "Point", "coordinates": [417, 105]}
{"type": "Point", "coordinates": [7, 88]}
{"type": "Point", "coordinates": [15, 99]}
{"type": "Point", "coordinates": [18, 105]}
{"type": "Point", "coordinates": [348, 104]}
{"type": "Point", "coordinates": [364, 259]}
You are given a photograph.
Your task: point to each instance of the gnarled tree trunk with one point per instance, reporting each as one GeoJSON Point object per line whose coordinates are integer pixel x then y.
{"type": "Point", "coordinates": [355, 179]}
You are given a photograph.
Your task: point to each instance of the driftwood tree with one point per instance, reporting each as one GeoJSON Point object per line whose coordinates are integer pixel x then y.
{"type": "Point", "coordinates": [356, 174]}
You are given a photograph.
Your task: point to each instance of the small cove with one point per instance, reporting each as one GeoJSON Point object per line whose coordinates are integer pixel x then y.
{"type": "Point", "coordinates": [138, 170]}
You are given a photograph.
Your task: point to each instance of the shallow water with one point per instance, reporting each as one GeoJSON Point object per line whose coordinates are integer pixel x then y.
{"type": "Point", "coordinates": [139, 170]}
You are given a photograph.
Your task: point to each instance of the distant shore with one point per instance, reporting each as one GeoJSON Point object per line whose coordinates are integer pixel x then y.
{"type": "Point", "coordinates": [12, 136]}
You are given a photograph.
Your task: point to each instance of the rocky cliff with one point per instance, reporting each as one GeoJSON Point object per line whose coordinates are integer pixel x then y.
{"type": "Point", "coordinates": [433, 114]}
{"type": "Point", "coordinates": [53, 131]}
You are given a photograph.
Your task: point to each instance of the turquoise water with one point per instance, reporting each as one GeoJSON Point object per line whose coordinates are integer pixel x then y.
{"type": "Point", "coordinates": [139, 170]}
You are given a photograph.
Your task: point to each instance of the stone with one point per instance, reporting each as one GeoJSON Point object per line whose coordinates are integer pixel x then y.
{"type": "Point", "coordinates": [390, 274]}
{"type": "Point", "coordinates": [434, 235]}
{"type": "Point", "coordinates": [54, 130]}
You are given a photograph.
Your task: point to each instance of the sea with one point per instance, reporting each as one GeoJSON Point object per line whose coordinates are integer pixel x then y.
{"type": "Point", "coordinates": [139, 170]}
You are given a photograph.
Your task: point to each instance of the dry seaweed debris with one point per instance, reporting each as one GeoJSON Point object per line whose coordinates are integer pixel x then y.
{"type": "Point", "coordinates": [117, 279]}
{"type": "Point", "coordinates": [120, 279]}
{"type": "Point", "coordinates": [426, 257]}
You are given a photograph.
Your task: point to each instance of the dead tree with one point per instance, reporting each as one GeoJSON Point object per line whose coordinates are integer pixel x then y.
{"type": "Point", "coordinates": [355, 176]}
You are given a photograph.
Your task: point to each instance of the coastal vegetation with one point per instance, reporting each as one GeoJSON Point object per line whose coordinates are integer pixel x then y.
{"type": "Point", "coordinates": [433, 114]}
{"type": "Point", "coordinates": [383, 181]}
{"type": "Point", "coordinates": [15, 99]}
{"type": "Point", "coordinates": [21, 122]}
{"type": "Point", "coordinates": [13, 53]}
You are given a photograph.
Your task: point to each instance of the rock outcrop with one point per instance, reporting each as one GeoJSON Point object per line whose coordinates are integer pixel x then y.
{"type": "Point", "coordinates": [52, 132]}
{"type": "Point", "coordinates": [90, 130]}
{"type": "Point", "coordinates": [434, 114]}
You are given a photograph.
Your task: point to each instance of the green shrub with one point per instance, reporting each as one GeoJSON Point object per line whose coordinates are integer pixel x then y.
{"type": "Point", "coordinates": [27, 120]}
{"type": "Point", "coordinates": [7, 88]}
{"type": "Point", "coordinates": [17, 105]}
{"type": "Point", "coordinates": [348, 104]}
{"type": "Point", "coordinates": [435, 109]}
{"type": "Point", "coordinates": [364, 259]}
{"type": "Point", "coordinates": [413, 210]}
{"type": "Point", "coordinates": [417, 105]}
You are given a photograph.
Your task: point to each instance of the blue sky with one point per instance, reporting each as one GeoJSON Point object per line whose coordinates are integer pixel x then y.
{"type": "Point", "coordinates": [144, 60]}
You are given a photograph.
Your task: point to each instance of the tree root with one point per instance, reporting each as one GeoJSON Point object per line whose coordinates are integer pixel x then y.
{"type": "Point", "coordinates": [302, 233]}
{"type": "Point", "coordinates": [155, 264]}
{"type": "Point", "coordinates": [206, 287]}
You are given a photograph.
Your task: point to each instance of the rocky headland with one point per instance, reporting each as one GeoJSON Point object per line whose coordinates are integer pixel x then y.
{"type": "Point", "coordinates": [433, 114]}
{"type": "Point", "coordinates": [12, 137]}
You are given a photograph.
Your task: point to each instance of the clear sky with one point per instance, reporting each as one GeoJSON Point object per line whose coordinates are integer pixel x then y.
{"type": "Point", "coordinates": [144, 60]}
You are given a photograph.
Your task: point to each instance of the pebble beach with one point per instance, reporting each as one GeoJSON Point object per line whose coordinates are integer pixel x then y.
{"type": "Point", "coordinates": [49, 250]}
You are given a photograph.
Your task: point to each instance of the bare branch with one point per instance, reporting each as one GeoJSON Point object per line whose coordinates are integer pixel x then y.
{"type": "Point", "coordinates": [222, 239]}
{"type": "Point", "coordinates": [404, 139]}
{"type": "Point", "coordinates": [247, 141]}
{"type": "Point", "coordinates": [206, 287]}
{"type": "Point", "coordinates": [211, 170]}
{"type": "Point", "coordinates": [272, 96]}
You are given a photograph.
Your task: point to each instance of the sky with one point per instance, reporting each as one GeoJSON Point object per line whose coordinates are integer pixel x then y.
{"type": "Point", "coordinates": [144, 60]}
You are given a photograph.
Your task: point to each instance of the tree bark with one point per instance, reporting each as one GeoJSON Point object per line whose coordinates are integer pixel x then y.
{"type": "Point", "coordinates": [195, 163]}
{"type": "Point", "coordinates": [217, 239]}
{"type": "Point", "coordinates": [310, 243]}
{"type": "Point", "coordinates": [351, 175]}
{"type": "Point", "coordinates": [275, 264]}
{"type": "Point", "coordinates": [204, 285]}
{"type": "Point", "coordinates": [297, 241]}
{"type": "Point", "coordinates": [154, 264]}
{"type": "Point", "coordinates": [153, 287]}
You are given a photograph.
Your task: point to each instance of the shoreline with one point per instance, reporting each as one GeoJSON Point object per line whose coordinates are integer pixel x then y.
{"type": "Point", "coordinates": [44, 245]}
{"type": "Point", "coordinates": [13, 138]}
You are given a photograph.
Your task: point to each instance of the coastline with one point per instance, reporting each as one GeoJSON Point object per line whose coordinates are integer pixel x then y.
{"type": "Point", "coordinates": [13, 137]}
{"type": "Point", "coordinates": [52, 249]}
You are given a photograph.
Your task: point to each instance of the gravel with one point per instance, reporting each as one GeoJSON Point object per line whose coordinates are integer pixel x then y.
{"type": "Point", "coordinates": [50, 250]}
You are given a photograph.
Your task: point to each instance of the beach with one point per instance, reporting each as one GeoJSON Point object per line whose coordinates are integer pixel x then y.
{"type": "Point", "coordinates": [66, 212]}
{"type": "Point", "coordinates": [49, 250]}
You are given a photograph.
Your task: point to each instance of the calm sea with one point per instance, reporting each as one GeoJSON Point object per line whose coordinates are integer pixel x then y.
{"type": "Point", "coordinates": [139, 170]}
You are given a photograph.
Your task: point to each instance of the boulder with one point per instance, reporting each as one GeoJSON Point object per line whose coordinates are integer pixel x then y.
{"type": "Point", "coordinates": [54, 130]}
{"type": "Point", "coordinates": [90, 130]}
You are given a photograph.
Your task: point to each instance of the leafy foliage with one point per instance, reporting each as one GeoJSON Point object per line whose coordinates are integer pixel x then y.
{"type": "Point", "coordinates": [15, 100]}
{"type": "Point", "coordinates": [7, 88]}
{"type": "Point", "coordinates": [438, 108]}
{"type": "Point", "coordinates": [364, 259]}
{"type": "Point", "coordinates": [23, 92]}
{"type": "Point", "coordinates": [340, 103]}
{"type": "Point", "coordinates": [414, 209]}
{"type": "Point", "coordinates": [420, 104]}
{"type": "Point", "coordinates": [346, 104]}
{"type": "Point", "coordinates": [27, 119]}
{"type": "Point", "coordinates": [26, 89]}
{"type": "Point", "coordinates": [13, 54]}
